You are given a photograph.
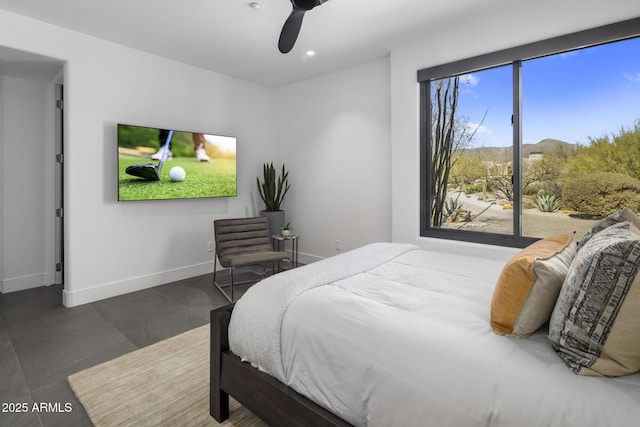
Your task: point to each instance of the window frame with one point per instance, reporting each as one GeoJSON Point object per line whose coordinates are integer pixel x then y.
{"type": "Point", "coordinates": [514, 57]}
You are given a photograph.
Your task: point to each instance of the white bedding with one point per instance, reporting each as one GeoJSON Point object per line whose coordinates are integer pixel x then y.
{"type": "Point", "coordinates": [403, 339]}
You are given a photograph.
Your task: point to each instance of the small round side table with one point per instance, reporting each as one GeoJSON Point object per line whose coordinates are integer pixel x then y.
{"type": "Point", "coordinates": [280, 239]}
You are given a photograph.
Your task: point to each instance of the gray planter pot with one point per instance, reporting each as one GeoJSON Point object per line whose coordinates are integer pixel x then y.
{"type": "Point", "coordinates": [275, 220]}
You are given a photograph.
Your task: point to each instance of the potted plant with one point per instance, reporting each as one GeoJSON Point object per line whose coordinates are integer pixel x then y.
{"type": "Point", "coordinates": [272, 191]}
{"type": "Point", "coordinates": [286, 229]}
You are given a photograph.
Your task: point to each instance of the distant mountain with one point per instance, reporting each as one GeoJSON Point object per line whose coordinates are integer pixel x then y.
{"type": "Point", "coordinates": [549, 146]}
{"type": "Point", "coordinates": [505, 153]}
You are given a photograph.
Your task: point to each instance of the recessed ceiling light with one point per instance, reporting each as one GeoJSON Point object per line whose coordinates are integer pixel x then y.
{"type": "Point", "coordinates": [310, 53]}
{"type": "Point", "coordinates": [255, 5]}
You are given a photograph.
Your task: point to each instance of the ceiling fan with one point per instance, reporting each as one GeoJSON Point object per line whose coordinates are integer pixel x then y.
{"type": "Point", "coordinates": [291, 27]}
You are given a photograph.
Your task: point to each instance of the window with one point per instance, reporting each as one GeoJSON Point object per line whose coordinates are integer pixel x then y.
{"type": "Point", "coordinates": [513, 143]}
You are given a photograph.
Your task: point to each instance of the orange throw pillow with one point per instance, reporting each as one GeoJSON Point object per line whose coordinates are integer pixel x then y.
{"type": "Point", "coordinates": [529, 284]}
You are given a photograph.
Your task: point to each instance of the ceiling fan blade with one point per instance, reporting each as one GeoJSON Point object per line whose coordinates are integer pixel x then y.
{"type": "Point", "coordinates": [290, 30]}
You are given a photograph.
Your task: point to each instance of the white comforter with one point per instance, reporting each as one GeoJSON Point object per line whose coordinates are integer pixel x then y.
{"type": "Point", "coordinates": [391, 335]}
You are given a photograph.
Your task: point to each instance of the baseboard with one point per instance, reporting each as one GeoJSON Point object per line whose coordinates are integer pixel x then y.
{"type": "Point", "coordinates": [96, 293]}
{"type": "Point", "coordinates": [107, 290]}
{"type": "Point", "coordinates": [304, 258]}
{"type": "Point", "coordinates": [25, 282]}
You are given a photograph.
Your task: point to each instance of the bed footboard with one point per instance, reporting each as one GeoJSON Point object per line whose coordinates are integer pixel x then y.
{"type": "Point", "coordinates": [264, 396]}
{"type": "Point", "coordinates": [219, 343]}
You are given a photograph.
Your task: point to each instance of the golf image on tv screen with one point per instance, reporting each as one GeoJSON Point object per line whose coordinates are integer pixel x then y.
{"type": "Point", "coordinates": [159, 164]}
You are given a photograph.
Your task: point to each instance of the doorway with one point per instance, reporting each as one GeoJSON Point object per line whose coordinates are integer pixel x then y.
{"type": "Point", "coordinates": [31, 135]}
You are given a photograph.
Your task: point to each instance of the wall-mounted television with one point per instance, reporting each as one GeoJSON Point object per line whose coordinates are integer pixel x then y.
{"type": "Point", "coordinates": [161, 164]}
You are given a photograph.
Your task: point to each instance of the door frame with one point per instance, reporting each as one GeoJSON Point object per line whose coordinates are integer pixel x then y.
{"type": "Point", "coordinates": [59, 183]}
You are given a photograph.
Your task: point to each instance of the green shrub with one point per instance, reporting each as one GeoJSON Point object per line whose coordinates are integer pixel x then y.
{"type": "Point", "coordinates": [548, 187]}
{"type": "Point", "coordinates": [450, 206]}
{"type": "Point", "coordinates": [597, 195]}
{"type": "Point", "coordinates": [473, 188]}
{"type": "Point", "coordinates": [548, 203]}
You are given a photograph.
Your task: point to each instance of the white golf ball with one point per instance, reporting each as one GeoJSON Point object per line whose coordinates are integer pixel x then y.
{"type": "Point", "coordinates": [177, 173]}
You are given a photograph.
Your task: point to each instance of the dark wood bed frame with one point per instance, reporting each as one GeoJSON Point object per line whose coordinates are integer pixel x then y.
{"type": "Point", "coordinates": [267, 398]}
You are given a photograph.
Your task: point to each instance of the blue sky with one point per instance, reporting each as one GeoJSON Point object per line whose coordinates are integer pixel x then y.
{"type": "Point", "coordinates": [571, 96]}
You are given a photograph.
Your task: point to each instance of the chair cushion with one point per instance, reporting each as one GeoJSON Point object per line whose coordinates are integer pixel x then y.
{"type": "Point", "coordinates": [244, 241]}
{"type": "Point", "coordinates": [253, 258]}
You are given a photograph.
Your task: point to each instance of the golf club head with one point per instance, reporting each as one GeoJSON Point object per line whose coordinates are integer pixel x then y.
{"type": "Point", "coordinates": [147, 171]}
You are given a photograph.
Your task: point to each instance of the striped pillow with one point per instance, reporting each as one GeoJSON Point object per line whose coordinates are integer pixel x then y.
{"type": "Point", "coordinates": [595, 325]}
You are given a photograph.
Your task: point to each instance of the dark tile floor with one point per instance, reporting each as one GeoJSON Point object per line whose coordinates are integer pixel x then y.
{"type": "Point", "coordinates": [42, 342]}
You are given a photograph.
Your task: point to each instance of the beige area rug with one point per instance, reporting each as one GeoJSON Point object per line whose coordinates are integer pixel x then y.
{"type": "Point", "coordinates": [164, 384]}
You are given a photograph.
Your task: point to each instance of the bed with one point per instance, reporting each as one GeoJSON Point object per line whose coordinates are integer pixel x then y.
{"type": "Point", "coordinates": [395, 335]}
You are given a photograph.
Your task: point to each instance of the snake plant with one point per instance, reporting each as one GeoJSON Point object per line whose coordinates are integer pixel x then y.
{"type": "Point", "coordinates": [273, 189]}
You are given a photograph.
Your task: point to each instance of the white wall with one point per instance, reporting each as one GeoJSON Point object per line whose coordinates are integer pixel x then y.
{"type": "Point", "coordinates": [25, 145]}
{"type": "Point", "coordinates": [111, 247]}
{"type": "Point", "coordinates": [349, 139]}
{"type": "Point", "coordinates": [334, 138]}
{"type": "Point", "coordinates": [480, 32]}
